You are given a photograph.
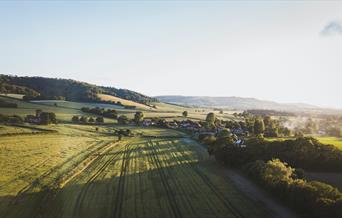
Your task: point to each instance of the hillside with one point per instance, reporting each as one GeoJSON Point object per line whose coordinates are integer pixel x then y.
{"type": "Point", "coordinates": [41, 88]}
{"type": "Point", "coordinates": [125, 102]}
{"type": "Point", "coordinates": [238, 103]}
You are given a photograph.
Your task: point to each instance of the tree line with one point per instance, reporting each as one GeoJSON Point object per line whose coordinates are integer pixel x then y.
{"type": "Point", "coordinates": [311, 199]}
{"type": "Point", "coordinates": [266, 163]}
{"type": "Point", "coordinates": [303, 152]}
{"type": "Point", "coordinates": [109, 113]}
{"type": "Point", "coordinates": [85, 119]}
{"type": "Point", "coordinates": [41, 88]}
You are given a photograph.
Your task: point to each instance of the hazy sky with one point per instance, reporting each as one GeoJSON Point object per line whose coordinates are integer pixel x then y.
{"type": "Point", "coordinates": [281, 51]}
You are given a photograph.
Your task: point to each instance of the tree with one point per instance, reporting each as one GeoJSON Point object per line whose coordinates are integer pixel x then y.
{"type": "Point", "coordinates": [335, 131]}
{"type": "Point", "coordinates": [185, 113]}
{"type": "Point", "coordinates": [210, 118]}
{"type": "Point", "coordinates": [84, 119]}
{"type": "Point", "coordinates": [44, 118]}
{"type": "Point", "coordinates": [123, 119]}
{"type": "Point", "coordinates": [259, 126]}
{"type": "Point", "coordinates": [138, 117]}
{"type": "Point", "coordinates": [99, 120]}
{"type": "Point", "coordinates": [53, 118]}
{"type": "Point", "coordinates": [91, 120]}
{"type": "Point", "coordinates": [75, 119]}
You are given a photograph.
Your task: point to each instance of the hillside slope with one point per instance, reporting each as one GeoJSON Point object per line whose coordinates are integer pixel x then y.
{"type": "Point", "coordinates": [231, 102]}
{"type": "Point", "coordinates": [64, 89]}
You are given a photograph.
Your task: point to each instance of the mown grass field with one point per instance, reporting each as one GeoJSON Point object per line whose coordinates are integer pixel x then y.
{"type": "Point", "coordinates": [81, 172]}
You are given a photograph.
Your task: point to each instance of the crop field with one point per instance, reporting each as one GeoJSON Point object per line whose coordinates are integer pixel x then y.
{"type": "Point", "coordinates": [81, 172]}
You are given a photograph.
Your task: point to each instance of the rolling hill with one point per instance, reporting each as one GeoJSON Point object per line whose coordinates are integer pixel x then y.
{"type": "Point", "coordinates": [238, 103]}
{"type": "Point", "coordinates": [41, 88]}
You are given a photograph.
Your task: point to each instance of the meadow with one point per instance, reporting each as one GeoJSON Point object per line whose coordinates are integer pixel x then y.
{"type": "Point", "coordinates": [81, 172]}
{"type": "Point", "coordinates": [331, 140]}
{"type": "Point", "coordinates": [65, 110]}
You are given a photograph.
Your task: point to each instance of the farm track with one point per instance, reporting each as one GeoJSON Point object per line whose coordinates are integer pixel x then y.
{"type": "Point", "coordinates": [81, 165]}
{"type": "Point", "coordinates": [96, 174]}
{"type": "Point", "coordinates": [33, 166]}
{"type": "Point", "coordinates": [212, 187]}
{"type": "Point", "coordinates": [193, 182]}
{"type": "Point", "coordinates": [117, 213]}
{"type": "Point", "coordinates": [38, 182]}
{"type": "Point", "coordinates": [169, 192]}
{"type": "Point", "coordinates": [50, 188]}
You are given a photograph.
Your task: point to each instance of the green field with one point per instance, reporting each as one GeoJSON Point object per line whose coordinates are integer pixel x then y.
{"type": "Point", "coordinates": [81, 172]}
{"type": "Point", "coordinates": [65, 110]}
{"type": "Point", "coordinates": [332, 141]}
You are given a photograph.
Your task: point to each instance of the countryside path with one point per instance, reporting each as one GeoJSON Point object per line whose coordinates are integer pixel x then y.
{"type": "Point", "coordinates": [253, 191]}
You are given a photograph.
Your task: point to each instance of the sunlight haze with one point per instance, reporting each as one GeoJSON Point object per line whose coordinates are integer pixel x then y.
{"type": "Point", "coordinates": [279, 51]}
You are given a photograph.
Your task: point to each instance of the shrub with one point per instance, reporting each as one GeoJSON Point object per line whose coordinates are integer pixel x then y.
{"type": "Point", "coordinates": [310, 199]}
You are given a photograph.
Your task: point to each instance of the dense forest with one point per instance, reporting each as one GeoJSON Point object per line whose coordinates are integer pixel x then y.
{"type": "Point", "coordinates": [40, 88]}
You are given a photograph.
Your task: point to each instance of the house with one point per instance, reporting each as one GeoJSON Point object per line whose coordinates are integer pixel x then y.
{"type": "Point", "coordinates": [190, 125]}
{"type": "Point", "coordinates": [148, 122]}
{"type": "Point", "coordinates": [172, 124]}
{"type": "Point", "coordinates": [239, 131]}
{"type": "Point", "coordinates": [240, 143]}
{"type": "Point", "coordinates": [32, 119]}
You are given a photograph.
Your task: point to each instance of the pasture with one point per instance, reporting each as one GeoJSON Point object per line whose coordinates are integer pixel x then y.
{"type": "Point", "coordinates": [105, 97]}
{"type": "Point", "coordinates": [332, 141]}
{"type": "Point", "coordinates": [65, 110]}
{"type": "Point", "coordinates": [81, 172]}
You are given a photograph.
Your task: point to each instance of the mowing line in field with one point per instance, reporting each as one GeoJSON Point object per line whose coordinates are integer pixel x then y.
{"type": "Point", "coordinates": [121, 186]}
{"type": "Point", "coordinates": [212, 187]}
{"type": "Point", "coordinates": [97, 173]}
{"type": "Point", "coordinates": [169, 192]}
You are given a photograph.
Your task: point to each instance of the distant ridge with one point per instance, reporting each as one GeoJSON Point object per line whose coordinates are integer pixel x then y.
{"type": "Point", "coordinates": [233, 102]}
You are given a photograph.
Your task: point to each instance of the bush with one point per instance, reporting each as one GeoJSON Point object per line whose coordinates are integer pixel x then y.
{"type": "Point", "coordinates": [99, 120]}
{"type": "Point", "coordinates": [310, 199]}
{"type": "Point", "coordinates": [123, 119]}
{"type": "Point", "coordinates": [304, 152]}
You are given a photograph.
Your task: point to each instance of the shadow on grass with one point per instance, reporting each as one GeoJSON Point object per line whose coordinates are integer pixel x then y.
{"type": "Point", "coordinates": [183, 190]}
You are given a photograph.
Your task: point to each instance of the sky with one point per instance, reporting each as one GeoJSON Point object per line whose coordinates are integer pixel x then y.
{"type": "Point", "coordinates": [285, 51]}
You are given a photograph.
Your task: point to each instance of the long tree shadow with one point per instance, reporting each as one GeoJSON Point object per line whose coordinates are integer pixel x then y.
{"type": "Point", "coordinates": [182, 190]}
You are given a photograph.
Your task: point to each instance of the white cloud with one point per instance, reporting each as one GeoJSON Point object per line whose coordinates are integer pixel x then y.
{"type": "Point", "coordinates": [332, 28]}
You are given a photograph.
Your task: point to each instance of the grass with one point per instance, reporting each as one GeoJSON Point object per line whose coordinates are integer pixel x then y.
{"type": "Point", "coordinates": [14, 130]}
{"type": "Point", "coordinates": [65, 110]}
{"type": "Point", "coordinates": [332, 141]}
{"type": "Point", "coordinates": [17, 96]}
{"type": "Point", "coordinates": [105, 97]}
{"type": "Point", "coordinates": [81, 172]}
